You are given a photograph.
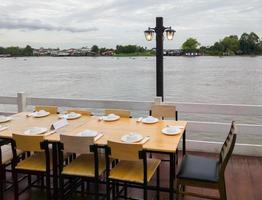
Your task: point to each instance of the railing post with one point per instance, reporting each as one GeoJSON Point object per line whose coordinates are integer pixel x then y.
{"type": "Point", "coordinates": [157, 100]}
{"type": "Point", "coordinates": [21, 102]}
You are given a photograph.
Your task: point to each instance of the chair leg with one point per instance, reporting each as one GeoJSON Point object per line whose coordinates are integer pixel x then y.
{"type": "Point", "coordinates": [96, 189]}
{"type": "Point", "coordinates": [222, 190]}
{"type": "Point", "coordinates": [108, 193]}
{"type": "Point", "coordinates": [29, 180]}
{"type": "Point", "coordinates": [61, 187]}
{"type": "Point", "coordinates": [125, 190]}
{"type": "Point", "coordinates": [15, 183]}
{"type": "Point", "coordinates": [48, 186]}
{"type": "Point", "coordinates": [145, 192]}
{"type": "Point", "coordinates": [2, 181]}
{"type": "Point", "coordinates": [177, 192]}
{"type": "Point", "coordinates": [158, 183]}
{"type": "Point", "coordinates": [114, 189]}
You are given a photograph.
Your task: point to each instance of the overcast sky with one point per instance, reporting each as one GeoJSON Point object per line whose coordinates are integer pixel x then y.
{"type": "Point", "coordinates": [77, 23]}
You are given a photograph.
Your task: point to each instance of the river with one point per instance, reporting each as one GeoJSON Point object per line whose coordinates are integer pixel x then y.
{"type": "Point", "coordinates": [229, 80]}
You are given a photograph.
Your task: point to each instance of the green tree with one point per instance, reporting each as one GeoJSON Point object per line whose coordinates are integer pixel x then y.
{"type": "Point", "coordinates": [250, 43]}
{"type": "Point", "coordinates": [231, 44]}
{"type": "Point", "coordinates": [190, 45]}
{"type": "Point", "coordinates": [27, 51]}
{"type": "Point", "coordinates": [95, 49]}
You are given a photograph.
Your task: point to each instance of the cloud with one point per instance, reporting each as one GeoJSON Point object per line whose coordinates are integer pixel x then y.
{"type": "Point", "coordinates": [32, 25]}
{"type": "Point", "coordinates": [111, 22]}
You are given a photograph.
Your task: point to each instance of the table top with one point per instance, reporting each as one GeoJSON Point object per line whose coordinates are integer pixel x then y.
{"type": "Point", "coordinates": [110, 130]}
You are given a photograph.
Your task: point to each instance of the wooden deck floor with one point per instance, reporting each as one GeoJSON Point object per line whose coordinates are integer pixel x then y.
{"type": "Point", "coordinates": [243, 181]}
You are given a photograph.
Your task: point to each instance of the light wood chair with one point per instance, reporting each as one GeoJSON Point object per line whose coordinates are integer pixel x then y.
{"type": "Point", "coordinates": [82, 112]}
{"type": "Point", "coordinates": [88, 165]}
{"type": "Point", "coordinates": [132, 168]}
{"type": "Point", "coordinates": [39, 163]}
{"type": "Point", "coordinates": [119, 112]}
{"type": "Point", "coordinates": [50, 109]}
{"type": "Point", "coordinates": [197, 171]}
{"type": "Point", "coordinates": [6, 157]}
{"type": "Point", "coordinates": [163, 111]}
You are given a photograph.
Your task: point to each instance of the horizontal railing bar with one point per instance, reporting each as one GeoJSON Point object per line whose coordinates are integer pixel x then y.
{"type": "Point", "coordinates": [214, 147]}
{"type": "Point", "coordinates": [223, 109]}
{"type": "Point", "coordinates": [218, 127]}
{"type": "Point", "coordinates": [86, 103]}
{"type": "Point", "coordinates": [7, 113]}
{"type": "Point", "coordinates": [8, 100]}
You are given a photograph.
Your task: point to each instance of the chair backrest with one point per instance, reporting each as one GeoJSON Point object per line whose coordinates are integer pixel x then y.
{"type": "Point", "coordinates": [227, 148]}
{"type": "Point", "coordinates": [51, 109]}
{"type": "Point", "coordinates": [76, 144]}
{"type": "Point", "coordinates": [82, 112]}
{"type": "Point", "coordinates": [164, 111]}
{"type": "Point", "coordinates": [28, 142]}
{"type": "Point", "coordinates": [124, 151]}
{"type": "Point", "coordinates": [119, 112]}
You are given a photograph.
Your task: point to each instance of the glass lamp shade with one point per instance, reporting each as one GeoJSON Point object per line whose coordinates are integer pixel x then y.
{"type": "Point", "coordinates": [149, 34]}
{"type": "Point", "coordinates": [170, 34]}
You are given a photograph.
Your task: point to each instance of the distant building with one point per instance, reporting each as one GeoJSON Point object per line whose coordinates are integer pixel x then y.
{"type": "Point", "coordinates": [173, 52]}
{"type": "Point", "coordinates": [108, 53]}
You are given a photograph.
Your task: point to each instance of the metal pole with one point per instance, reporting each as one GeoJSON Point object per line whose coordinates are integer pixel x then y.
{"type": "Point", "coordinates": [159, 29]}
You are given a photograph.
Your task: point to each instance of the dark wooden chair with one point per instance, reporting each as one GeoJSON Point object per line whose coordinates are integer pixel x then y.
{"type": "Point", "coordinates": [204, 172]}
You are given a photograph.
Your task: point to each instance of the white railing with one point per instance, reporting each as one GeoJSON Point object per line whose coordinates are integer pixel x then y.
{"type": "Point", "coordinates": [22, 101]}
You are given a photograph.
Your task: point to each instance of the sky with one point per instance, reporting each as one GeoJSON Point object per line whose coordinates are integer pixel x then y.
{"type": "Point", "coordinates": [106, 23]}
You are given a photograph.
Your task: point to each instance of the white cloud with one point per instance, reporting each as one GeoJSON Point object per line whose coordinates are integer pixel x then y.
{"type": "Point", "coordinates": [76, 23]}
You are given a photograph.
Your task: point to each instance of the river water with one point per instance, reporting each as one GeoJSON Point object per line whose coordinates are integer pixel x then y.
{"type": "Point", "coordinates": [230, 80]}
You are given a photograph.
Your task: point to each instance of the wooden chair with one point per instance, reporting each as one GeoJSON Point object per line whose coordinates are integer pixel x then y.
{"type": "Point", "coordinates": [199, 171]}
{"type": "Point", "coordinates": [132, 168]}
{"type": "Point", "coordinates": [163, 111]}
{"type": "Point", "coordinates": [119, 112]}
{"type": "Point", "coordinates": [50, 109]}
{"type": "Point", "coordinates": [6, 157]}
{"type": "Point", "coordinates": [88, 165]}
{"type": "Point", "coordinates": [82, 112]}
{"type": "Point", "coordinates": [38, 164]}
{"type": "Point", "coordinates": [5, 160]}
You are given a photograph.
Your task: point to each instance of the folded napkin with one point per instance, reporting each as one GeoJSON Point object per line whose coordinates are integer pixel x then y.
{"type": "Point", "coordinates": [145, 139]}
{"type": "Point", "coordinates": [99, 136]}
{"type": "Point", "coordinates": [3, 128]}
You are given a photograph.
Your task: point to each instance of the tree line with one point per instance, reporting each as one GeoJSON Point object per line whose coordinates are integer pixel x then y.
{"type": "Point", "coordinates": [247, 44]}
{"type": "Point", "coordinates": [17, 51]}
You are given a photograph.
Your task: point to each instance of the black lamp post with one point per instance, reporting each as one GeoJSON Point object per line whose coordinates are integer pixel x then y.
{"type": "Point", "coordinates": [159, 30]}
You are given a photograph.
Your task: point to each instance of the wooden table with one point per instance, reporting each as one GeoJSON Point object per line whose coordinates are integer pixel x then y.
{"type": "Point", "coordinates": [158, 142]}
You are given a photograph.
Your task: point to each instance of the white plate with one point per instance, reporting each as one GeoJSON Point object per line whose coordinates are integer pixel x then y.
{"type": "Point", "coordinates": [35, 131]}
{"type": "Point", "coordinates": [71, 115]}
{"type": "Point", "coordinates": [88, 133]}
{"type": "Point", "coordinates": [132, 138]}
{"type": "Point", "coordinates": [4, 119]}
{"type": "Point", "coordinates": [41, 113]}
{"type": "Point", "coordinates": [150, 120]}
{"type": "Point", "coordinates": [111, 117]}
{"type": "Point", "coordinates": [171, 130]}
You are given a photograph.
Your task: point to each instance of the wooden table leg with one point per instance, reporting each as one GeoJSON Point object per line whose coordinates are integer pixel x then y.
{"type": "Point", "coordinates": [55, 170]}
{"type": "Point", "coordinates": [172, 175]}
{"type": "Point", "coordinates": [184, 142]}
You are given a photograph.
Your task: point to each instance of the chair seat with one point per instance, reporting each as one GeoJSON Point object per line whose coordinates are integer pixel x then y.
{"type": "Point", "coordinates": [36, 162]}
{"type": "Point", "coordinates": [7, 154]}
{"type": "Point", "coordinates": [133, 171]}
{"type": "Point", "coordinates": [84, 165]}
{"type": "Point", "coordinates": [199, 168]}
